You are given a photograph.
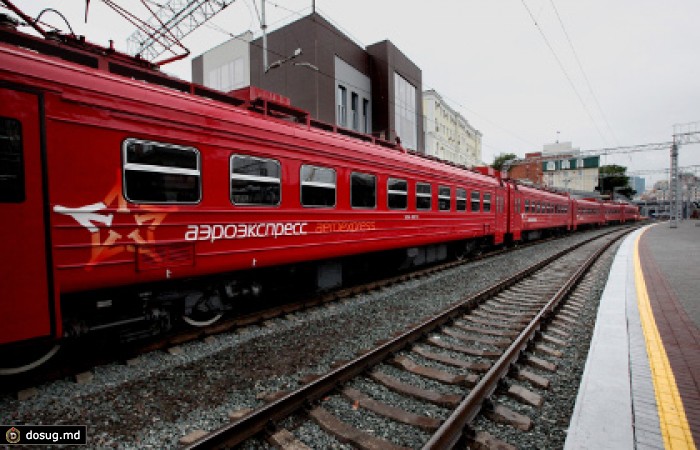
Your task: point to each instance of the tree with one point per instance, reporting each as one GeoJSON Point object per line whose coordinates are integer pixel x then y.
{"type": "Point", "coordinates": [500, 160]}
{"type": "Point", "coordinates": [612, 180]}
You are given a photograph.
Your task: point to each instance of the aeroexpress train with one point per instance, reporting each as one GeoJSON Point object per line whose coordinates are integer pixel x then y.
{"type": "Point", "coordinates": [131, 200]}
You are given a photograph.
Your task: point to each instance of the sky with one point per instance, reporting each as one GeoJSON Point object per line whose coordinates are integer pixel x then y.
{"type": "Point", "coordinates": [525, 73]}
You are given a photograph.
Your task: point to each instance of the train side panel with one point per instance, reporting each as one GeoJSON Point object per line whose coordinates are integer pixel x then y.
{"type": "Point", "coordinates": [27, 299]}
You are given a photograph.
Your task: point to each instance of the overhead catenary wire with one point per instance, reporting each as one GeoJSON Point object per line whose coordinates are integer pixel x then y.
{"type": "Point", "coordinates": [564, 71]}
{"type": "Point", "coordinates": [583, 72]}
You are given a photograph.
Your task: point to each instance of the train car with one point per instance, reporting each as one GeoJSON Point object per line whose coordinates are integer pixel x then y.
{"type": "Point", "coordinates": [537, 212]}
{"type": "Point", "coordinates": [630, 213]}
{"type": "Point", "coordinates": [586, 213]}
{"type": "Point", "coordinates": [136, 199]}
{"type": "Point", "coordinates": [613, 212]}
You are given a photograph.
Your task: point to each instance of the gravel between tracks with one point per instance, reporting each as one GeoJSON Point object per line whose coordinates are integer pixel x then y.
{"type": "Point", "coordinates": [156, 402]}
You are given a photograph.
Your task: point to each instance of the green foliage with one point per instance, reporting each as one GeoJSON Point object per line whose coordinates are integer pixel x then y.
{"type": "Point", "coordinates": [499, 160]}
{"type": "Point", "coordinates": [612, 179]}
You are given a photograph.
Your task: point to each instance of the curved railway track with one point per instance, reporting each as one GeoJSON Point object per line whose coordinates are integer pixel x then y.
{"type": "Point", "coordinates": [481, 338]}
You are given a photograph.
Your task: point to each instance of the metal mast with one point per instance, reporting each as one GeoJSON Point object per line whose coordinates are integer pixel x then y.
{"type": "Point", "coordinates": [686, 133]}
{"type": "Point", "coordinates": [174, 20]}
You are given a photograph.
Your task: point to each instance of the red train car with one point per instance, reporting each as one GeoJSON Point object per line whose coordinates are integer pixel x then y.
{"type": "Point", "coordinates": [587, 213]}
{"type": "Point", "coordinates": [118, 186]}
{"type": "Point", "coordinates": [539, 211]}
{"type": "Point", "coordinates": [133, 200]}
{"type": "Point", "coordinates": [613, 212]}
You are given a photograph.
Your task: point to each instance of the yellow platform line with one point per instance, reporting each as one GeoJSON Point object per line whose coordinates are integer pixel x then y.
{"type": "Point", "coordinates": [674, 424]}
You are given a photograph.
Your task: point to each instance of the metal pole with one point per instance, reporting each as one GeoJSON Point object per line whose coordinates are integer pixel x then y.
{"type": "Point", "coordinates": [674, 197]}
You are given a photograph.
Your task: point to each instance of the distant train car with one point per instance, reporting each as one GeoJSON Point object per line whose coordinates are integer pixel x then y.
{"type": "Point", "coordinates": [613, 212]}
{"type": "Point", "coordinates": [587, 213]}
{"type": "Point", "coordinates": [540, 211]}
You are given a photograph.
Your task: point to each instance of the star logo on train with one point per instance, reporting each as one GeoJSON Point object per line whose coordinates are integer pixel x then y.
{"type": "Point", "coordinates": [99, 218]}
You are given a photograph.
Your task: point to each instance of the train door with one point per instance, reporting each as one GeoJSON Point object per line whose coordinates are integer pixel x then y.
{"type": "Point", "coordinates": [501, 214]}
{"type": "Point", "coordinates": [515, 211]}
{"type": "Point", "coordinates": [25, 293]}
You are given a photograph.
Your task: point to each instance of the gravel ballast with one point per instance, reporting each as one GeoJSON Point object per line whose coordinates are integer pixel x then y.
{"type": "Point", "coordinates": [154, 403]}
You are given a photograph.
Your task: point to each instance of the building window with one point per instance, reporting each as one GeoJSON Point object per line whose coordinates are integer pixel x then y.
{"type": "Point", "coordinates": [476, 201]}
{"type": "Point", "coordinates": [342, 106]}
{"type": "Point", "coordinates": [363, 190]}
{"type": "Point", "coordinates": [318, 186]}
{"type": "Point", "coordinates": [12, 186]}
{"type": "Point", "coordinates": [397, 193]}
{"type": "Point", "coordinates": [461, 199]}
{"type": "Point", "coordinates": [423, 196]}
{"type": "Point", "coordinates": [444, 198]}
{"type": "Point", "coordinates": [365, 116]}
{"type": "Point", "coordinates": [156, 172]}
{"type": "Point", "coordinates": [565, 164]}
{"type": "Point", "coordinates": [255, 181]}
{"type": "Point", "coordinates": [354, 105]}
{"type": "Point", "coordinates": [405, 112]}
{"type": "Point", "coordinates": [229, 76]}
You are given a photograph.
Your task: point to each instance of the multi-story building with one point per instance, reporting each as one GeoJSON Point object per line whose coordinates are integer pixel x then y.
{"type": "Point", "coordinates": [573, 173]}
{"type": "Point", "coordinates": [559, 165]}
{"type": "Point", "coordinates": [638, 184]}
{"type": "Point", "coordinates": [448, 135]}
{"type": "Point", "coordinates": [375, 90]}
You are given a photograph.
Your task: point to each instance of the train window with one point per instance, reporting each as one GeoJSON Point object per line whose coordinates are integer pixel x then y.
{"type": "Point", "coordinates": [527, 206]}
{"type": "Point", "coordinates": [423, 196]}
{"type": "Point", "coordinates": [11, 161]}
{"type": "Point", "coordinates": [155, 172]}
{"type": "Point", "coordinates": [363, 190]}
{"type": "Point", "coordinates": [397, 193]}
{"type": "Point", "coordinates": [255, 181]}
{"type": "Point", "coordinates": [444, 198]}
{"type": "Point", "coordinates": [476, 200]}
{"type": "Point", "coordinates": [487, 202]}
{"type": "Point", "coordinates": [318, 186]}
{"type": "Point", "coordinates": [461, 199]}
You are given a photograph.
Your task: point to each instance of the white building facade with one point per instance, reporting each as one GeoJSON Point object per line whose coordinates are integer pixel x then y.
{"type": "Point", "coordinates": [448, 135]}
{"type": "Point", "coordinates": [565, 168]}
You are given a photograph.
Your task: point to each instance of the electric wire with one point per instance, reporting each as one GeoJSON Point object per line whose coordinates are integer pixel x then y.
{"type": "Point", "coordinates": [564, 71]}
{"type": "Point", "coordinates": [583, 72]}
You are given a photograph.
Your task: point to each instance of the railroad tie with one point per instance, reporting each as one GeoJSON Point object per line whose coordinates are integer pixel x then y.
{"type": "Point", "coordinates": [349, 434]}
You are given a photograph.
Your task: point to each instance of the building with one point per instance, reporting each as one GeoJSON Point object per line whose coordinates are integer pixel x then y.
{"type": "Point", "coordinates": [573, 173]}
{"type": "Point", "coordinates": [225, 67]}
{"type": "Point", "coordinates": [528, 169]}
{"type": "Point", "coordinates": [375, 90]}
{"type": "Point", "coordinates": [638, 184]}
{"type": "Point", "coordinates": [448, 135]}
{"type": "Point", "coordinates": [559, 165]}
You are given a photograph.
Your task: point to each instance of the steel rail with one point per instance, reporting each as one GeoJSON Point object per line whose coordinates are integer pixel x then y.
{"type": "Point", "coordinates": [452, 430]}
{"type": "Point", "coordinates": [238, 431]}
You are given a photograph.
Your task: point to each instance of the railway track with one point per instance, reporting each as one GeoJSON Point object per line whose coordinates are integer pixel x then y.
{"type": "Point", "coordinates": [451, 366]}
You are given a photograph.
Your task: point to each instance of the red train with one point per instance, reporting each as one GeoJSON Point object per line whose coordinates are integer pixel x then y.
{"type": "Point", "coordinates": [131, 199]}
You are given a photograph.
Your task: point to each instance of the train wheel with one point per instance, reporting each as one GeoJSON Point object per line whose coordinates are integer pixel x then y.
{"type": "Point", "coordinates": [27, 359]}
{"type": "Point", "coordinates": [202, 310]}
{"type": "Point", "coordinates": [199, 320]}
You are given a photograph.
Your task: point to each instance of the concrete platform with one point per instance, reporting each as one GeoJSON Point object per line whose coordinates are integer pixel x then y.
{"type": "Point", "coordinates": [641, 385]}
